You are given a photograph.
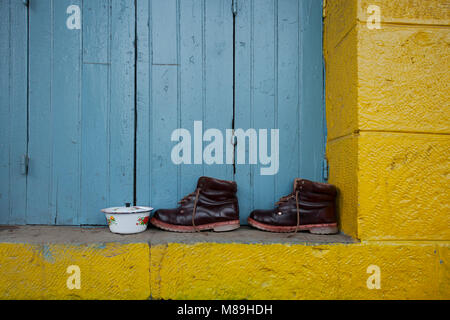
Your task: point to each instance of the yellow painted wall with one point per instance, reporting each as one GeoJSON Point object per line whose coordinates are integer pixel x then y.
{"type": "Point", "coordinates": [108, 271]}
{"type": "Point", "coordinates": [242, 271]}
{"type": "Point", "coordinates": [388, 115]}
{"type": "Point", "coordinates": [226, 271]}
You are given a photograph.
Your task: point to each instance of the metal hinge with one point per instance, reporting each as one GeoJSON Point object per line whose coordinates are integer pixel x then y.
{"type": "Point", "coordinates": [325, 169]}
{"type": "Point", "coordinates": [234, 7]}
{"type": "Point", "coordinates": [24, 164]}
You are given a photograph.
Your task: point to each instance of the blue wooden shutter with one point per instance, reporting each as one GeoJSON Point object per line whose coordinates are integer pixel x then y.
{"type": "Point", "coordinates": [81, 111]}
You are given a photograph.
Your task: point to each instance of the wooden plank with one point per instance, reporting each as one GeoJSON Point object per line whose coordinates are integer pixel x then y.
{"type": "Point", "coordinates": [18, 121]}
{"type": "Point", "coordinates": [40, 181]}
{"type": "Point", "coordinates": [66, 113]}
{"type": "Point", "coordinates": [265, 89]}
{"type": "Point", "coordinates": [164, 31]}
{"type": "Point", "coordinates": [288, 95]}
{"type": "Point", "coordinates": [244, 73]}
{"type": "Point", "coordinates": [95, 112]}
{"type": "Point", "coordinates": [312, 102]}
{"type": "Point", "coordinates": [13, 111]}
{"type": "Point", "coordinates": [5, 110]}
{"type": "Point", "coordinates": [218, 78]}
{"type": "Point", "coordinates": [95, 143]}
{"type": "Point", "coordinates": [96, 27]}
{"type": "Point", "coordinates": [165, 112]}
{"type": "Point", "coordinates": [143, 103]}
{"type": "Point", "coordinates": [122, 100]}
{"type": "Point", "coordinates": [164, 120]}
{"type": "Point", "coordinates": [191, 75]}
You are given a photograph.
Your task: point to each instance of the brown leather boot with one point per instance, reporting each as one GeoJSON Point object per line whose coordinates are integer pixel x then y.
{"type": "Point", "coordinates": [311, 206]}
{"type": "Point", "coordinates": [213, 205]}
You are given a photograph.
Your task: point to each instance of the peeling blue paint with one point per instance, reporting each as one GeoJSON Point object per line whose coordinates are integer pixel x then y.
{"type": "Point", "coordinates": [47, 253]}
{"type": "Point", "coordinates": [98, 246]}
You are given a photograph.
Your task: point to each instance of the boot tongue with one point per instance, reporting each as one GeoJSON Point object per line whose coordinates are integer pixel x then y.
{"type": "Point", "coordinates": [297, 185]}
{"type": "Point", "coordinates": [202, 182]}
{"type": "Point", "coordinates": [315, 187]}
{"type": "Point", "coordinates": [216, 184]}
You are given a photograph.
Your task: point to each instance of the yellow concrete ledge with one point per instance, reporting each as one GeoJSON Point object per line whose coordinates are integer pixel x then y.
{"type": "Point", "coordinates": [107, 271]}
{"type": "Point", "coordinates": [407, 270]}
{"type": "Point", "coordinates": [236, 271]}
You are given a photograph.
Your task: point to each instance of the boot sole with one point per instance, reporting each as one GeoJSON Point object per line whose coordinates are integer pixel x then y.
{"type": "Point", "coordinates": [325, 228]}
{"type": "Point", "coordinates": [217, 226]}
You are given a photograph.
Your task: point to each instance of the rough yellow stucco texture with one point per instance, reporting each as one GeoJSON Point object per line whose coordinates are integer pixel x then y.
{"type": "Point", "coordinates": [403, 186]}
{"type": "Point", "coordinates": [343, 162]}
{"type": "Point", "coordinates": [277, 271]}
{"type": "Point", "coordinates": [339, 18]}
{"type": "Point", "coordinates": [403, 79]}
{"type": "Point", "coordinates": [387, 91]}
{"type": "Point", "coordinates": [342, 87]}
{"type": "Point", "coordinates": [107, 271]}
{"type": "Point", "coordinates": [422, 12]}
{"type": "Point", "coordinates": [394, 78]}
{"type": "Point", "coordinates": [407, 270]}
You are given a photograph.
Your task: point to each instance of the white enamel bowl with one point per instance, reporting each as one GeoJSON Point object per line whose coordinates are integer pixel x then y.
{"type": "Point", "coordinates": [126, 220]}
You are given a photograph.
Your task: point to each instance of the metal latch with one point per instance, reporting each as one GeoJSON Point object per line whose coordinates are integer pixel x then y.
{"type": "Point", "coordinates": [325, 169]}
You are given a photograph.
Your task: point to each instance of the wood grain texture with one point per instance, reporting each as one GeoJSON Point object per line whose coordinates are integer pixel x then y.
{"type": "Point", "coordinates": [81, 123]}
{"type": "Point", "coordinates": [13, 111]}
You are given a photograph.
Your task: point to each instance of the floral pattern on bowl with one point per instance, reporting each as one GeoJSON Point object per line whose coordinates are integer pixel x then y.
{"type": "Point", "coordinates": [143, 221]}
{"type": "Point", "coordinates": [111, 220]}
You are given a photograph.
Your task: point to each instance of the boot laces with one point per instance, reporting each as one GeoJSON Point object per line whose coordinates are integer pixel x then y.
{"type": "Point", "coordinates": [285, 198]}
{"type": "Point", "coordinates": [293, 195]}
{"type": "Point", "coordinates": [187, 198]}
{"type": "Point", "coordinates": [194, 211]}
